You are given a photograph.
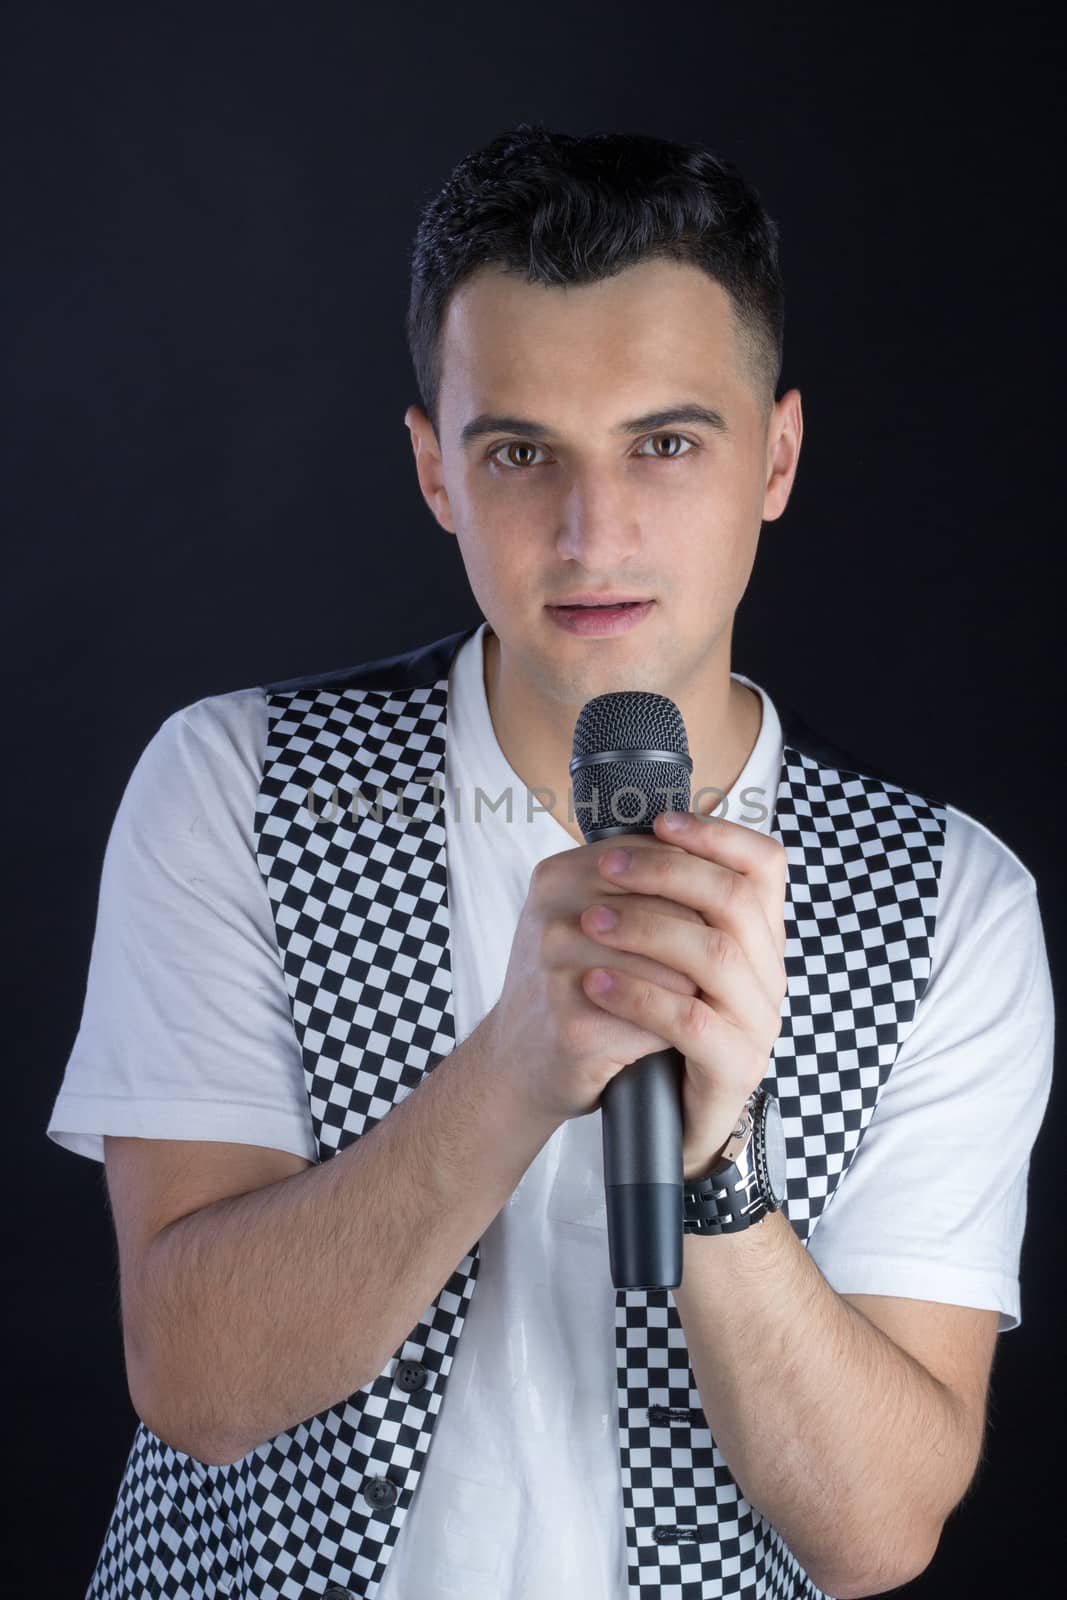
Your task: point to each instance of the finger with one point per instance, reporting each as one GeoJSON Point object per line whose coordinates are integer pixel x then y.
{"type": "Point", "coordinates": [690, 1025]}
{"type": "Point", "coordinates": [761, 858]}
{"type": "Point", "coordinates": [723, 897]}
{"type": "Point", "coordinates": [714, 960]}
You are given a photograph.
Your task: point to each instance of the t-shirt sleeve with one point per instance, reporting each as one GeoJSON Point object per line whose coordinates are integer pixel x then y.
{"type": "Point", "coordinates": [186, 1029]}
{"type": "Point", "coordinates": [933, 1206]}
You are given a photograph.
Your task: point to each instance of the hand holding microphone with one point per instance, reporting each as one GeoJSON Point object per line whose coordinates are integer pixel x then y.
{"type": "Point", "coordinates": [732, 954]}
{"type": "Point", "coordinates": [696, 959]}
{"type": "Point", "coordinates": [561, 1048]}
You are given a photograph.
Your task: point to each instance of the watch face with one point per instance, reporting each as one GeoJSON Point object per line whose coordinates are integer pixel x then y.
{"type": "Point", "coordinates": [774, 1144]}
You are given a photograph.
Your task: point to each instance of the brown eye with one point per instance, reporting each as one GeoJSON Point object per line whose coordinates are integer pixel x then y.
{"type": "Point", "coordinates": [652, 439]}
{"type": "Point", "coordinates": [500, 452]}
{"type": "Point", "coordinates": [514, 444]}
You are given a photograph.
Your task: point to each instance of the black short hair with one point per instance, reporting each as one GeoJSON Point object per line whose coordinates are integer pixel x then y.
{"type": "Point", "coordinates": [571, 209]}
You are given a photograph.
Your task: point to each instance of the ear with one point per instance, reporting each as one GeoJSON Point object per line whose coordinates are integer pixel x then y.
{"type": "Point", "coordinates": [785, 429]}
{"type": "Point", "coordinates": [429, 466]}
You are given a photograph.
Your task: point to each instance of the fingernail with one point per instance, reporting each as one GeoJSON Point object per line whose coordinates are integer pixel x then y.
{"type": "Point", "coordinates": [601, 918]}
{"type": "Point", "coordinates": [615, 861]}
{"type": "Point", "coordinates": [674, 821]}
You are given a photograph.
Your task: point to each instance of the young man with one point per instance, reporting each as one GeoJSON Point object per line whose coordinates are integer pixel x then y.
{"type": "Point", "coordinates": [343, 1031]}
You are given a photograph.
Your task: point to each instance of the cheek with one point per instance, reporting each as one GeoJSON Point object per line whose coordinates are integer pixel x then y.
{"type": "Point", "coordinates": [499, 562]}
{"type": "Point", "coordinates": [709, 573]}
{"type": "Point", "coordinates": [736, 522]}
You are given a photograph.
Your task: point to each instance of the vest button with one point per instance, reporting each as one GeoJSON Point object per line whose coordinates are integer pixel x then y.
{"type": "Point", "coordinates": [379, 1492]}
{"type": "Point", "coordinates": [410, 1375]}
{"type": "Point", "coordinates": [334, 1593]}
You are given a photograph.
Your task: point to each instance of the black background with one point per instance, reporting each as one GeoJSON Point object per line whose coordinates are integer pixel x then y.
{"type": "Point", "coordinates": [208, 484]}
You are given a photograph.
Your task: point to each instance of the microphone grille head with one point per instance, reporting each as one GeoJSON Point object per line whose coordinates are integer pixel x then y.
{"type": "Point", "coordinates": [629, 719]}
{"type": "Point", "coordinates": [627, 794]}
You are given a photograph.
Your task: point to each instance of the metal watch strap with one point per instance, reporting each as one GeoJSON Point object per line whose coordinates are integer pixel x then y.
{"type": "Point", "coordinates": [734, 1194]}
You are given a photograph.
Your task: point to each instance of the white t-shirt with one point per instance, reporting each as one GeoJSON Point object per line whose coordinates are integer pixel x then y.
{"type": "Point", "coordinates": [187, 1033]}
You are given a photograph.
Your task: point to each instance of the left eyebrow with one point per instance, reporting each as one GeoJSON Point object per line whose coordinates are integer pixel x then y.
{"type": "Point", "coordinates": [489, 422]}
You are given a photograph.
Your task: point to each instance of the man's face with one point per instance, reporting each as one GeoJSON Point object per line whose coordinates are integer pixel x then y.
{"type": "Point", "coordinates": [566, 503]}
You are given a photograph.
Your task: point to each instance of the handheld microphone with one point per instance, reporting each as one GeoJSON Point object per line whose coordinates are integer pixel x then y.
{"type": "Point", "coordinates": [631, 761]}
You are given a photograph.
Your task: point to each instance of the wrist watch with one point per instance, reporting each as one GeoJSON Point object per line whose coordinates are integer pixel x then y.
{"type": "Point", "coordinates": [748, 1180]}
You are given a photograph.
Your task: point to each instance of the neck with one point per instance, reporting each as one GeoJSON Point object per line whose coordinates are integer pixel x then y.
{"type": "Point", "coordinates": [722, 720]}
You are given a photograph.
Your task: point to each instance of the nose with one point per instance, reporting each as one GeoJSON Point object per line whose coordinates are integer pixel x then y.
{"type": "Point", "coordinates": [599, 528]}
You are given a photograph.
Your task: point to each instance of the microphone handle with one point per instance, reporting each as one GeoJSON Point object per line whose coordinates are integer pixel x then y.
{"type": "Point", "coordinates": [641, 1114]}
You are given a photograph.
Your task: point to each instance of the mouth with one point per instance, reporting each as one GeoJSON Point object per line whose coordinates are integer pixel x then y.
{"type": "Point", "coordinates": [599, 618]}
{"type": "Point", "coordinates": [592, 601]}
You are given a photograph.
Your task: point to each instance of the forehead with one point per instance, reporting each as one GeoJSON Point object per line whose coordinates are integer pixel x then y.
{"type": "Point", "coordinates": [659, 324]}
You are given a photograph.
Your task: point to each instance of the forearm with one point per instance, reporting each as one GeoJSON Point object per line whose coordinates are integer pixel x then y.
{"type": "Point", "coordinates": [840, 1438]}
{"type": "Point", "coordinates": [266, 1308]}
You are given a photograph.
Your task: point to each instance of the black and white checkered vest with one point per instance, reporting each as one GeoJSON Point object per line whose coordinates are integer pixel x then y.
{"type": "Point", "coordinates": [351, 843]}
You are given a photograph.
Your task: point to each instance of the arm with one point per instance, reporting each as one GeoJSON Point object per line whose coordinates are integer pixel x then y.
{"type": "Point", "coordinates": [252, 1313]}
{"type": "Point", "coordinates": [855, 1449]}
{"type": "Point", "coordinates": [846, 1443]}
